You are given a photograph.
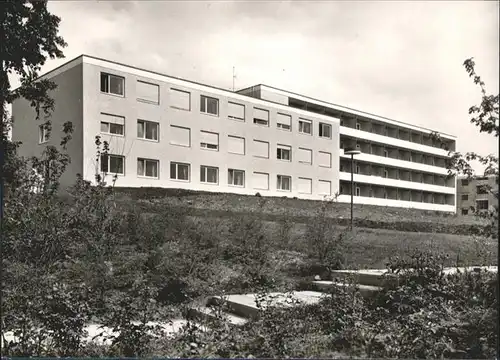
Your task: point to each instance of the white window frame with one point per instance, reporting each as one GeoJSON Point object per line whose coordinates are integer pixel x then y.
{"type": "Point", "coordinates": [311, 158]}
{"type": "Point", "coordinates": [108, 123]}
{"type": "Point", "coordinates": [145, 122]}
{"type": "Point", "coordinates": [244, 144]}
{"type": "Point", "coordinates": [209, 146]}
{"type": "Point", "coordinates": [157, 102]}
{"type": "Point", "coordinates": [109, 156]}
{"type": "Point", "coordinates": [109, 76]}
{"type": "Point", "coordinates": [144, 164]}
{"type": "Point", "coordinates": [324, 166]}
{"type": "Point", "coordinates": [108, 132]}
{"type": "Point", "coordinates": [279, 183]}
{"type": "Point", "coordinates": [321, 130]}
{"type": "Point", "coordinates": [204, 170]}
{"type": "Point", "coordinates": [310, 182]}
{"type": "Point", "coordinates": [189, 99]}
{"type": "Point", "coordinates": [176, 164]}
{"type": "Point", "coordinates": [43, 134]}
{"type": "Point", "coordinates": [230, 176]}
{"type": "Point", "coordinates": [329, 187]}
{"type": "Point", "coordinates": [301, 128]}
{"type": "Point", "coordinates": [284, 127]}
{"type": "Point", "coordinates": [283, 148]}
{"type": "Point", "coordinates": [256, 120]}
{"type": "Point", "coordinates": [204, 99]}
{"type": "Point", "coordinates": [235, 118]}
{"type": "Point", "coordinates": [265, 142]}
{"type": "Point", "coordinates": [180, 127]}
{"type": "Point", "coordinates": [267, 176]}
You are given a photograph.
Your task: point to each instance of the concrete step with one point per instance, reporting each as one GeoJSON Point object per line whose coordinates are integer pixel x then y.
{"type": "Point", "coordinates": [379, 278]}
{"type": "Point", "coordinates": [244, 305]}
{"type": "Point", "coordinates": [206, 313]}
{"type": "Point", "coordinates": [365, 290]}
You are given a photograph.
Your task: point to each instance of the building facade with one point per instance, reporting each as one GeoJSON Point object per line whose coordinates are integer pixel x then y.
{"type": "Point", "coordinates": [476, 194]}
{"type": "Point", "coordinates": [168, 132]}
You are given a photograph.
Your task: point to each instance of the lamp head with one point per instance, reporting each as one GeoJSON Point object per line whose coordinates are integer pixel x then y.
{"type": "Point", "coordinates": [351, 151]}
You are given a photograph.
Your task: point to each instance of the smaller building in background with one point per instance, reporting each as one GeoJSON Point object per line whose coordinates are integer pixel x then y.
{"type": "Point", "coordinates": [476, 194]}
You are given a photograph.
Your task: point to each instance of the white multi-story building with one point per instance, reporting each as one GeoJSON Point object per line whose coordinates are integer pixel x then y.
{"type": "Point", "coordinates": [168, 132]}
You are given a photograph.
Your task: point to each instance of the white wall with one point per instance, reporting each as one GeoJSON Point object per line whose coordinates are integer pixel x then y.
{"type": "Point", "coordinates": [132, 147]}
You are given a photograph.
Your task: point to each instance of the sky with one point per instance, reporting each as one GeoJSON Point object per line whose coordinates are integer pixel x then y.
{"type": "Point", "coordinates": [401, 60]}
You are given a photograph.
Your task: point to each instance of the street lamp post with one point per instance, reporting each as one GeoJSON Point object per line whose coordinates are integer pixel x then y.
{"type": "Point", "coordinates": [352, 152]}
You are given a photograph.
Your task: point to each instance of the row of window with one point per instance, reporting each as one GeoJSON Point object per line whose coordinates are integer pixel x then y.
{"type": "Point", "coordinates": [115, 164]}
{"type": "Point", "coordinates": [180, 99]}
{"type": "Point", "coordinates": [181, 136]}
{"type": "Point", "coordinates": [481, 205]}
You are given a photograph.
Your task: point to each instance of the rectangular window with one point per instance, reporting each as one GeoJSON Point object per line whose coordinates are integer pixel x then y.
{"type": "Point", "coordinates": [284, 122]}
{"type": "Point", "coordinates": [236, 177]}
{"type": "Point", "coordinates": [305, 126]}
{"type": "Point", "coordinates": [385, 153]}
{"type": "Point", "coordinates": [147, 168]}
{"type": "Point", "coordinates": [324, 187]}
{"type": "Point", "coordinates": [209, 105]}
{"type": "Point", "coordinates": [358, 191]}
{"type": "Point", "coordinates": [482, 204]}
{"type": "Point", "coordinates": [465, 211]}
{"type": "Point", "coordinates": [112, 84]}
{"type": "Point", "coordinates": [386, 173]}
{"type": "Point", "coordinates": [304, 185]}
{"type": "Point", "coordinates": [260, 181]}
{"type": "Point", "coordinates": [465, 197]}
{"type": "Point", "coordinates": [465, 182]}
{"type": "Point", "coordinates": [236, 145]}
{"type": "Point", "coordinates": [113, 164]}
{"type": "Point", "coordinates": [43, 134]}
{"type": "Point", "coordinates": [482, 189]}
{"type": "Point", "coordinates": [261, 149]}
{"type": "Point", "coordinates": [284, 152]}
{"type": "Point", "coordinates": [147, 92]}
{"type": "Point", "coordinates": [357, 170]}
{"type": "Point", "coordinates": [324, 159]}
{"type": "Point", "coordinates": [179, 171]}
{"type": "Point", "coordinates": [180, 136]}
{"type": "Point", "coordinates": [112, 124]}
{"type": "Point", "coordinates": [325, 130]}
{"type": "Point", "coordinates": [235, 111]}
{"type": "Point", "coordinates": [209, 140]}
{"type": "Point", "coordinates": [358, 126]}
{"type": "Point", "coordinates": [284, 183]}
{"type": "Point", "coordinates": [261, 117]}
{"type": "Point", "coordinates": [180, 99]}
{"type": "Point", "coordinates": [304, 156]}
{"type": "Point", "coordinates": [147, 130]}
{"type": "Point", "coordinates": [209, 174]}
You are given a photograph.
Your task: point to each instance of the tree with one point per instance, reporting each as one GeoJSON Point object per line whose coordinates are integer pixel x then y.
{"type": "Point", "coordinates": [486, 117]}
{"type": "Point", "coordinates": [29, 35]}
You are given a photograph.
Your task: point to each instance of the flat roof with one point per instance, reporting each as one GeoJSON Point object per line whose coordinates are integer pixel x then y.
{"type": "Point", "coordinates": [288, 93]}
{"type": "Point", "coordinates": [343, 108]}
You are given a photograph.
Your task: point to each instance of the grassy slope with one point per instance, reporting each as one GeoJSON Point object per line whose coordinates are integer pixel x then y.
{"type": "Point", "coordinates": [381, 232]}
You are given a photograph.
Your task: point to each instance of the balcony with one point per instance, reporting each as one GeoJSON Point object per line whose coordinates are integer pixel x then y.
{"type": "Point", "coordinates": [393, 137]}
{"type": "Point", "coordinates": [403, 183]}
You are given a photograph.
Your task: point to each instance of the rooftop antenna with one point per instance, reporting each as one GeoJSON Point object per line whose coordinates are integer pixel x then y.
{"type": "Point", "coordinates": [234, 77]}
